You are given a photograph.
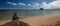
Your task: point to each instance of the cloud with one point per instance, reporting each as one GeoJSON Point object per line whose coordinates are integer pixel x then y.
{"type": "Point", "coordinates": [58, 0]}
{"type": "Point", "coordinates": [29, 5]}
{"type": "Point", "coordinates": [21, 4]}
{"type": "Point", "coordinates": [11, 3]}
{"type": "Point", "coordinates": [34, 4]}
{"type": "Point", "coordinates": [37, 4]}
{"type": "Point", "coordinates": [52, 5]}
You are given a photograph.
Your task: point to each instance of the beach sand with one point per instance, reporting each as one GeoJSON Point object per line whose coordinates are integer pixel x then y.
{"type": "Point", "coordinates": [44, 20]}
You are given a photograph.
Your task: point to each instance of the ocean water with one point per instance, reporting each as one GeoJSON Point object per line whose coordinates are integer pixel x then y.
{"type": "Point", "coordinates": [7, 15]}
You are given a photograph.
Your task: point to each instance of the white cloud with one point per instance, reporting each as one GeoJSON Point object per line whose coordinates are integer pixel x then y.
{"type": "Point", "coordinates": [58, 0]}
{"type": "Point", "coordinates": [52, 5]}
{"type": "Point", "coordinates": [29, 4]}
{"type": "Point", "coordinates": [35, 5]}
{"type": "Point", "coordinates": [11, 3]}
{"type": "Point", "coordinates": [21, 4]}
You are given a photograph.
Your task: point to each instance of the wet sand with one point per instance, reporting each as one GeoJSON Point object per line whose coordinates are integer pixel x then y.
{"type": "Point", "coordinates": [39, 20]}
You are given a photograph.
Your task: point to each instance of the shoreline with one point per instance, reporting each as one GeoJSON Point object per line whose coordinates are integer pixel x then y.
{"type": "Point", "coordinates": [43, 20]}
{"type": "Point", "coordinates": [39, 20]}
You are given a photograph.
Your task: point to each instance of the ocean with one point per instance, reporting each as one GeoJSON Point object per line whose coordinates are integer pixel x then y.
{"type": "Point", "coordinates": [7, 15]}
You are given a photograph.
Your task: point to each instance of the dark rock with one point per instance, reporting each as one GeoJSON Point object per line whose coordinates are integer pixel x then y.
{"type": "Point", "coordinates": [41, 9]}
{"type": "Point", "coordinates": [16, 23]}
{"type": "Point", "coordinates": [15, 16]}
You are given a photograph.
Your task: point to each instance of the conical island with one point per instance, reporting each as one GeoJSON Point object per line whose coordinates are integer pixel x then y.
{"type": "Point", "coordinates": [41, 9]}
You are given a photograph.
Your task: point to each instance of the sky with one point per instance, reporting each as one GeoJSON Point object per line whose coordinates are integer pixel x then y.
{"type": "Point", "coordinates": [29, 4]}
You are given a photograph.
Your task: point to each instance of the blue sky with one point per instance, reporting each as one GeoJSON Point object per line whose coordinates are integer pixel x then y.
{"type": "Point", "coordinates": [22, 4]}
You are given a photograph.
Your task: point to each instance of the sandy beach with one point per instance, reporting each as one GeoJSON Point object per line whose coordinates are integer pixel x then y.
{"type": "Point", "coordinates": [44, 20]}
